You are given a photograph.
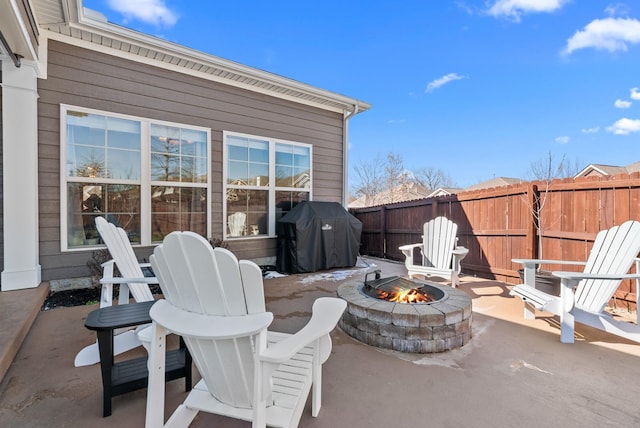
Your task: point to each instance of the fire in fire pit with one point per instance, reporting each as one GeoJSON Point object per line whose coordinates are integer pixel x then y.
{"type": "Point", "coordinates": [399, 290]}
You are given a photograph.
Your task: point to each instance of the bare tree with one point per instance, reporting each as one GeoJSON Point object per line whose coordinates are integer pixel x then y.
{"type": "Point", "coordinates": [370, 179]}
{"type": "Point", "coordinates": [432, 178]}
{"type": "Point", "coordinates": [379, 176]}
{"type": "Point", "coordinates": [378, 180]}
{"type": "Point", "coordinates": [545, 170]}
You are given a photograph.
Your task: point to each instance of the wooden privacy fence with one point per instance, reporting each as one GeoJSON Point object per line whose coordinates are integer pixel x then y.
{"type": "Point", "coordinates": [499, 224]}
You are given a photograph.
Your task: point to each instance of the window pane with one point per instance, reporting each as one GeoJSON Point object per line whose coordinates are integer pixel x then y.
{"type": "Point", "coordinates": [284, 176]}
{"type": "Point", "coordinates": [302, 157]}
{"type": "Point", "coordinates": [237, 149]}
{"type": "Point", "coordinates": [124, 164]}
{"type": "Point", "coordinates": [259, 174]}
{"type": "Point", "coordinates": [123, 134]}
{"type": "Point", "coordinates": [119, 204]}
{"type": "Point", "coordinates": [165, 167]}
{"type": "Point", "coordinates": [86, 129]}
{"type": "Point", "coordinates": [301, 179]}
{"type": "Point", "coordinates": [237, 173]}
{"type": "Point", "coordinates": [259, 151]}
{"type": "Point", "coordinates": [284, 158]}
{"type": "Point", "coordinates": [177, 208]}
{"type": "Point", "coordinates": [165, 139]}
{"type": "Point", "coordinates": [247, 212]}
{"type": "Point", "coordinates": [83, 161]}
{"type": "Point", "coordinates": [194, 143]}
{"type": "Point", "coordinates": [287, 200]}
{"type": "Point", "coordinates": [194, 170]}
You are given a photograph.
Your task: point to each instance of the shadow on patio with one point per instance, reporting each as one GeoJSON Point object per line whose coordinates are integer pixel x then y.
{"type": "Point", "coordinates": [513, 373]}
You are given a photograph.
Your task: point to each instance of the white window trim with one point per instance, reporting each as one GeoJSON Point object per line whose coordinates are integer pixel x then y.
{"type": "Point", "coordinates": [272, 189]}
{"type": "Point", "coordinates": [145, 174]}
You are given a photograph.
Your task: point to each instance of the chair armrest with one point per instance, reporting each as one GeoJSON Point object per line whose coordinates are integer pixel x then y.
{"type": "Point", "coordinates": [460, 252]}
{"type": "Point", "coordinates": [326, 313]}
{"type": "Point", "coordinates": [202, 326]}
{"type": "Point", "coordinates": [139, 280]}
{"type": "Point", "coordinates": [576, 276]}
{"type": "Point", "coordinates": [409, 247]}
{"type": "Point", "coordinates": [533, 262]}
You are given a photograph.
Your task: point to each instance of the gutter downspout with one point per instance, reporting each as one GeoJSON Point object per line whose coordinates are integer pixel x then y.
{"type": "Point", "coordinates": [345, 153]}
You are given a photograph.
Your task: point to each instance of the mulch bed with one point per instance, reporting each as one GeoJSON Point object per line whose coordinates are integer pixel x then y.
{"type": "Point", "coordinates": [79, 297]}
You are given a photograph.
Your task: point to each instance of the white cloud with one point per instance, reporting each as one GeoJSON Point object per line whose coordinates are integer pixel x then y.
{"type": "Point", "coordinates": [622, 104]}
{"type": "Point", "coordinates": [562, 140]}
{"type": "Point", "coordinates": [150, 11]}
{"type": "Point", "coordinates": [625, 126]}
{"type": "Point", "coordinates": [593, 130]}
{"type": "Point", "coordinates": [617, 9]}
{"type": "Point", "coordinates": [635, 94]}
{"type": "Point", "coordinates": [435, 84]}
{"type": "Point", "coordinates": [611, 34]}
{"type": "Point", "coordinates": [513, 9]}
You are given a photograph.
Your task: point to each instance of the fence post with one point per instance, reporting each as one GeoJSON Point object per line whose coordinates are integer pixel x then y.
{"type": "Point", "coordinates": [531, 239]}
{"type": "Point", "coordinates": [383, 231]}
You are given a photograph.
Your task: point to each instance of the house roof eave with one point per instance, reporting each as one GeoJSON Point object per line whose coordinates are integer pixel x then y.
{"type": "Point", "coordinates": [89, 29]}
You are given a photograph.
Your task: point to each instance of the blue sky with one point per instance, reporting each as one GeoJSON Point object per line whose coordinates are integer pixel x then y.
{"type": "Point", "coordinates": [479, 89]}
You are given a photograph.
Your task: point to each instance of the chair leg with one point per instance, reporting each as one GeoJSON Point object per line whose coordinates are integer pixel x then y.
{"type": "Point", "coordinates": [567, 324]}
{"type": "Point", "coordinates": [529, 311]}
{"type": "Point", "coordinates": [155, 390]}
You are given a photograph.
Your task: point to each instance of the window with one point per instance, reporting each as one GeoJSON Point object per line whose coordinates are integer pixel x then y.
{"type": "Point", "coordinates": [148, 177]}
{"type": "Point", "coordinates": [264, 179]}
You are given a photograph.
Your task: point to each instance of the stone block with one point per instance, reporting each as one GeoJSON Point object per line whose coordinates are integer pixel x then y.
{"type": "Point", "coordinates": [443, 331]}
{"type": "Point", "coordinates": [421, 333]}
{"type": "Point", "coordinates": [429, 316]}
{"type": "Point", "coordinates": [431, 346]}
{"type": "Point", "coordinates": [367, 325]}
{"type": "Point", "coordinates": [413, 346]}
{"type": "Point", "coordinates": [380, 312]}
{"type": "Point", "coordinates": [380, 341]}
{"type": "Point", "coordinates": [405, 315]}
{"type": "Point", "coordinates": [453, 342]}
{"type": "Point", "coordinates": [391, 330]}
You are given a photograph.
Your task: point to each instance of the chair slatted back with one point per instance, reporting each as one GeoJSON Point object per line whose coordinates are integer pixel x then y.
{"type": "Point", "coordinates": [197, 278]}
{"type": "Point", "coordinates": [613, 252]}
{"type": "Point", "coordinates": [122, 253]}
{"type": "Point", "coordinates": [439, 240]}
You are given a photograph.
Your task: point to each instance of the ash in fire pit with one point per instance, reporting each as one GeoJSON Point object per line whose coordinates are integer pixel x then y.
{"type": "Point", "coordinates": [439, 321]}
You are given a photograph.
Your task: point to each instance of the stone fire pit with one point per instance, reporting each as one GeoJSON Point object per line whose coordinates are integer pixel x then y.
{"type": "Point", "coordinates": [423, 328]}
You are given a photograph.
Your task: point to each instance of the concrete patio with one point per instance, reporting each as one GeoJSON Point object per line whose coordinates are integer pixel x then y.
{"type": "Point", "coordinates": [513, 373]}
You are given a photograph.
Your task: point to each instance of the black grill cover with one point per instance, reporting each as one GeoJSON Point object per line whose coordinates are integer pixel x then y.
{"type": "Point", "coordinates": [316, 236]}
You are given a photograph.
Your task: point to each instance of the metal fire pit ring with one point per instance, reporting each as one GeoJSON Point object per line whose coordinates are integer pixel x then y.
{"type": "Point", "coordinates": [422, 328]}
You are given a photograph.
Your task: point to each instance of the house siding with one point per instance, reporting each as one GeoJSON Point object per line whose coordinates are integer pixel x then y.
{"type": "Point", "coordinates": [91, 79]}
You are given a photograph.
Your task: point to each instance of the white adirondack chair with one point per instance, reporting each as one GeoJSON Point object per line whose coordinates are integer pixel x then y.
{"type": "Point", "coordinates": [217, 305]}
{"type": "Point", "coordinates": [584, 295]}
{"type": "Point", "coordinates": [441, 255]}
{"type": "Point", "coordinates": [237, 223]}
{"type": "Point", "coordinates": [132, 282]}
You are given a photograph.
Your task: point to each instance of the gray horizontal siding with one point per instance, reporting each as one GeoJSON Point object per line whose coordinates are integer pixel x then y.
{"type": "Point", "coordinates": [95, 80]}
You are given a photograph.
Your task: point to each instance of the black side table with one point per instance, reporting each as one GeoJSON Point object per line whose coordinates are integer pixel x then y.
{"type": "Point", "coordinates": [130, 375]}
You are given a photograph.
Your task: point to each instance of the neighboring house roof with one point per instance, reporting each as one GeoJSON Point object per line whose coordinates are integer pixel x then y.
{"type": "Point", "coordinates": [69, 22]}
{"type": "Point", "coordinates": [444, 191]}
{"type": "Point", "coordinates": [596, 169]}
{"type": "Point", "coordinates": [401, 193]}
{"type": "Point", "coordinates": [494, 182]}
